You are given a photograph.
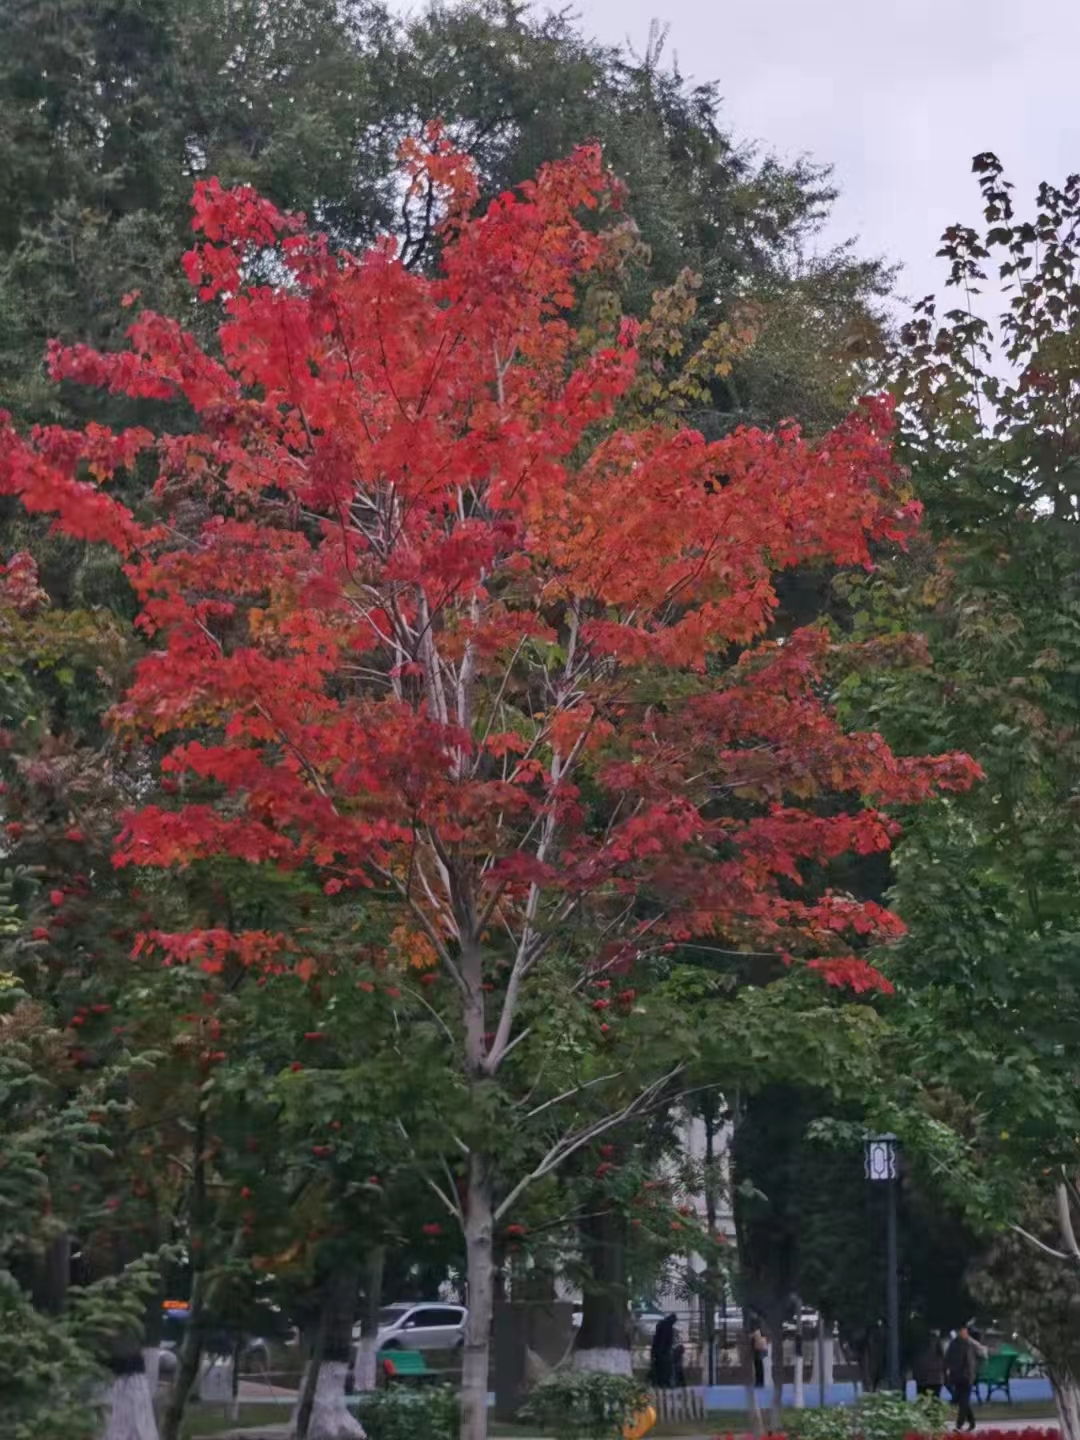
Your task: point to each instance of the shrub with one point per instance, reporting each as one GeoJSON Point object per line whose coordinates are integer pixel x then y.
{"type": "Point", "coordinates": [585, 1404]}
{"type": "Point", "coordinates": [884, 1416]}
{"type": "Point", "coordinates": [405, 1414]}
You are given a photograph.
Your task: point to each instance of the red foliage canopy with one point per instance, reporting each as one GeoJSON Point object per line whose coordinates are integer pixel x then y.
{"type": "Point", "coordinates": [426, 616]}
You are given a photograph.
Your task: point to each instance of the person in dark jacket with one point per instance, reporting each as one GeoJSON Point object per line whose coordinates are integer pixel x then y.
{"type": "Point", "coordinates": [961, 1371]}
{"type": "Point", "coordinates": [928, 1371]}
{"type": "Point", "coordinates": [662, 1369]}
{"type": "Point", "coordinates": [759, 1348]}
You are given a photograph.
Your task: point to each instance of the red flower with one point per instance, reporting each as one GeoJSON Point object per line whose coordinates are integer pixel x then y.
{"type": "Point", "coordinates": [393, 992]}
{"type": "Point", "coordinates": [604, 1029]}
{"type": "Point", "coordinates": [428, 978]}
{"type": "Point", "coordinates": [432, 1228]}
{"type": "Point", "coordinates": [39, 933]}
{"type": "Point", "coordinates": [245, 1192]}
{"type": "Point", "coordinates": [56, 897]}
{"type": "Point", "coordinates": [516, 1230]}
{"type": "Point", "coordinates": [74, 834]}
{"type": "Point", "coordinates": [314, 1035]}
{"type": "Point", "coordinates": [296, 1065]}
{"type": "Point", "coordinates": [601, 1004]}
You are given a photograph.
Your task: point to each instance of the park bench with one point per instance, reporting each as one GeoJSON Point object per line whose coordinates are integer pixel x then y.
{"type": "Point", "coordinates": [994, 1374]}
{"type": "Point", "coordinates": [397, 1365]}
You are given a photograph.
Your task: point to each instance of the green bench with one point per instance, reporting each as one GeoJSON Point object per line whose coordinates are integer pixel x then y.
{"type": "Point", "coordinates": [398, 1365]}
{"type": "Point", "coordinates": [995, 1373]}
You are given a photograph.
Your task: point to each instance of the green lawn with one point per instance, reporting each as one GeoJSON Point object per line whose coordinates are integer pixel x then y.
{"type": "Point", "coordinates": [213, 1419]}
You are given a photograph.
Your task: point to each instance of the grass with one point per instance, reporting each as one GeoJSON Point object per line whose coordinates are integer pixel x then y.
{"type": "Point", "coordinates": [206, 1421]}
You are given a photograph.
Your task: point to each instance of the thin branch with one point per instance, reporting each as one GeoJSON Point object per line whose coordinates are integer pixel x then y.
{"type": "Point", "coordinates": [570, 1144]}
{"type": "Point", "coordinates": [577, 1090]}
{"type": "Point", "coordinates": [1046, 1249]}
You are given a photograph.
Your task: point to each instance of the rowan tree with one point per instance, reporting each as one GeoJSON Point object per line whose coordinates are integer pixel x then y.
{"type": "Point", "coordinates": [427, 623]}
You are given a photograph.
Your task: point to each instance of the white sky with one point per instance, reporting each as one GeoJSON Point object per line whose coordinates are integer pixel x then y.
{"type": "Point", "coordinates": [897, 94]}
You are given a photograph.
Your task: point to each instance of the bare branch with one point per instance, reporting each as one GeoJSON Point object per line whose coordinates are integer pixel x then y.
{"type": "Point", "coordinates": [570, 1144]}
{"type": "Point", "coordinates": [577, 1090]}
{"type": "Point", "coordinates": [1046, 1249]}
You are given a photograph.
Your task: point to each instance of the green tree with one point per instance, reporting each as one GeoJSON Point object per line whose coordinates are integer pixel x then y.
{"type": "Point", "coordinates": [987, 882]}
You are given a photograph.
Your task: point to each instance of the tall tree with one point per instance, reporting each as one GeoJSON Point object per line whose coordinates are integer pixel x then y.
{"type": "Point", "coordinates": [987, 881]}
{"type": "Point", "coordinates": [439, 629]}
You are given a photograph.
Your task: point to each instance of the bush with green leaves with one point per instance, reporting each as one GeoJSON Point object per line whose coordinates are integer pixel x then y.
{"type": "Point", "coordinates": [48, 1379]}
{"type": "Point", "coordinates": [585, 1404]}
{"type": "Point", "coordinates": [400, 1414]}
{"type": "Point", "coordinates": [882, 1416]}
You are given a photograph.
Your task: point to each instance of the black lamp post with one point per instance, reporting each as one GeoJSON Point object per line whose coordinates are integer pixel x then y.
{"type": "Point", "coordinates": [881, 1169]}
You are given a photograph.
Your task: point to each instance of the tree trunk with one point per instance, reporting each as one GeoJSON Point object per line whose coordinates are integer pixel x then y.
{"type": "Point", "coordinates": [188, 1360]}
{"type": "Point", "coordinates": [366, 1374]}
{"type": "Point", "coordinates": [711, 1289]}
{"type": "Point", "coordinates": [189, 1355]}
{"type": "Point", "coordinates": [753, 1409]}
{"type": "Point", "coordinates": [603, 1342]}
{"type": "Point", "coordinates": [776, 1354]}
{"type": "Point", "coordinates": [329, 1418]}
{"type": "Point", "coordinates": [800, 1398]}
{"type": "Point", "coordinates": [1066, 1392]}
{"type": "Point", "coordinates": [129, 1405]}
{"type": "Point", "coordinates": [237, 1356]}
{"type": "Point", "coordinates": [152, 1365]}
{"type": "Point", "coordinates": [479, 1233]}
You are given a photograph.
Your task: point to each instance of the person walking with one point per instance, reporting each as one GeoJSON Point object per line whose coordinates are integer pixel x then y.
{"type": "Point", "coordinates": [961, 1371]}
{"type": "Point", "coordinates": [928, 1371]}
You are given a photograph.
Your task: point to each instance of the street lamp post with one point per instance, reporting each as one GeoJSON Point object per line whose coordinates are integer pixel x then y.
{"type": "Point", "coordinates": [881, 1169]}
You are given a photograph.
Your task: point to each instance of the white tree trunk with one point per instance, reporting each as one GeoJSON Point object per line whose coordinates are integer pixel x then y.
{"type": "Point", "coordinates": [152, 1364]}
{"type": "Point", "coordinates": [611, 1360]}
{"type": "Point", "coordinates": [823, 1361]}
{"type": "Point", "coordinates": [479, 1228]}
{"type": "Point", "coordinates": [330, 1416]}
{"type": "Point", "coordinates": [129, 1413]}
{"type": "Point", "coordinates": [365, 1375]}
{"type": "Point", "coordinates": [800, 1397]}
{"type": "Point", "coordinates": [366, 1367]}
{"type": "Point", "coordinates": [1066, 1391]}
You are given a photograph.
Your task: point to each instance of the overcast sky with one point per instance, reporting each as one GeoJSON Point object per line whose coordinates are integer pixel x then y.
{"type": "Point", "coordinates": [897, 94]}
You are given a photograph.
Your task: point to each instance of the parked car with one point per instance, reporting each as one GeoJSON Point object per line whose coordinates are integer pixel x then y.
{"type": "Point", "coordinates": [429, 1325]}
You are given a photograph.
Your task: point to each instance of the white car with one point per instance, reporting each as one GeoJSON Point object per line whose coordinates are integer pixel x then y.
{"type": "Point", "coordinates": [425, 1326]}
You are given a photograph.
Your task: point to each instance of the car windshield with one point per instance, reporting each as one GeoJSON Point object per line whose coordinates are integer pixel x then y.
{"type": "Point", "coordinates": [393, 1313]}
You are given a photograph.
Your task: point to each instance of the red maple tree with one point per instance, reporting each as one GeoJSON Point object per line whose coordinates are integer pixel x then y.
{"type": "Point", "coordinates": [427, 618]}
